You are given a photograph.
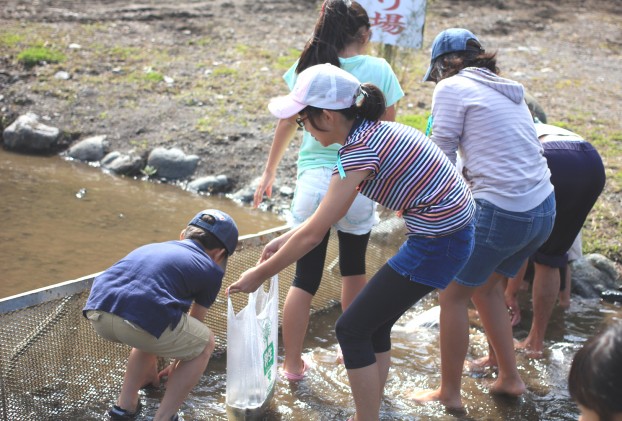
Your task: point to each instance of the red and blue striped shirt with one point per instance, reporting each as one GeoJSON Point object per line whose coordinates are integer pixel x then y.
{"type": "Point", "coordinates": [409, 173]}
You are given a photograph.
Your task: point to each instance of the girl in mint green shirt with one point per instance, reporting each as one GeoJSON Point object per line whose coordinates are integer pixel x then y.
{"type": "Point", "coordinates": [340, 37]}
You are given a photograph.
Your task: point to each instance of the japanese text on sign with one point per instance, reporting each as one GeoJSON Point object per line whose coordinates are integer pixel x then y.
{"type": "Point", "coordinates": [396, 22]}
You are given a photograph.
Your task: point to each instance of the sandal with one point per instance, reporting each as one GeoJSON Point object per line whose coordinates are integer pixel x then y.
{"type": "Point", "coordinates": [117, 413]}
{"type": "Point", "coordinates": [293, 377]}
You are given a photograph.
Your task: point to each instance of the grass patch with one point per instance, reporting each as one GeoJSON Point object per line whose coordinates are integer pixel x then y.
{"type": "Point", "coordinates": [33, 56]}
{"type": "Point", "coordinates": [418, 121]}
{"type": "Point", "coordinates": [153, 76]}
{"type": "Point", "coordinates": [224, 71]}
{"type": "Point", "coordinates": [205, 125]}
{"type": "Point", "coordinates": [10, 40]}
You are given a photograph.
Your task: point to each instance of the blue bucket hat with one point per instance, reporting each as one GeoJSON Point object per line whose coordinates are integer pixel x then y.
{"type": "Point", "coordinates": [223, 228]}
{"type": "Point", "coordinates": [450, 41]}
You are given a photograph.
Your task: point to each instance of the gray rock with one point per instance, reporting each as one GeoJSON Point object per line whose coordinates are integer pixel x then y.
{"type": "Point", "coordinates": [593, 274]}
{"type": "Point", "coordinates": [209, 184]}
{"type": "Point", "coordinates": [286, 191]}
{"type": "Point", "coordinates": [123, 164]}
{"type": "Point", "coordinates": [28, 134]}
{"type": "Point", "coordinates": [90, 150]}
{"type": "Point", "coordinates": [172, 163]}
{"type": "Point", "coordinates": [244, 195]}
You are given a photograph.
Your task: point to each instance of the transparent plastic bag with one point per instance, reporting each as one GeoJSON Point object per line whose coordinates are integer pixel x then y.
{"type": "Point", "coordinates": [252, 346]}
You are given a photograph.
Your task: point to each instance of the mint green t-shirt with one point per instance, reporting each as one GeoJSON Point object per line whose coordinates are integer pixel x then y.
{"type": "Point", "coordinates": [366, 69]}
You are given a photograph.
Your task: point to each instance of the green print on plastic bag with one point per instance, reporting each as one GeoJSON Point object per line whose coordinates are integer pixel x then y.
{"type": "Point", "coordinates": [268, 360]}
{"type": "Point", "coordinates": [268, 353]}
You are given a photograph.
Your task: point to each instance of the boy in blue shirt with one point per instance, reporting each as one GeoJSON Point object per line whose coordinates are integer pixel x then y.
{"type": "Point", "coordinates": [155, 300]}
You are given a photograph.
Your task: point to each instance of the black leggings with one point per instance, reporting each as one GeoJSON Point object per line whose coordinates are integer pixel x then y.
{"type": "Point", "coordinates": [364, 329]}
{"type": "Point", "coordinates": [310, 267]}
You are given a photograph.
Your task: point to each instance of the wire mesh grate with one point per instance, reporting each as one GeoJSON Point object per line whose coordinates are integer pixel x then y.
{"type": "Point", "coordinates": [53, 365]}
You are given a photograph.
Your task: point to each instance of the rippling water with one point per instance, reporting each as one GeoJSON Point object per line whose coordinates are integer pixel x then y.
{"type": "Point", "coordinates": [63, 220]}
{"type": "Point", "coordinates": [325, 394]}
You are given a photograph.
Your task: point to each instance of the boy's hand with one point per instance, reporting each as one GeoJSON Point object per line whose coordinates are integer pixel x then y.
{"type": "Point", "coordinates": [248, 282]}
{"type": "Point", "coordinates": [167, 371]}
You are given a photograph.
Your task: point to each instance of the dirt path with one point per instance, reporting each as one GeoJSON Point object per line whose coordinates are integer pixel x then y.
{"type": "Point", "coordinates": [226, 58]}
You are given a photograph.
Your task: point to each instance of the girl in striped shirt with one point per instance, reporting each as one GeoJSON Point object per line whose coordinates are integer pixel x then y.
{"type": "Point", "coordinates": [401, 169]}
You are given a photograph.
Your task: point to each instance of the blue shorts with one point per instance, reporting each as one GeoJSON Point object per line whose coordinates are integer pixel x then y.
{"type": "Point", "coordinates": [434, 261]}
{"type": "Point", "coordinates": [311, 187]}
{"type": "Point", "coordinates": [504, 239]}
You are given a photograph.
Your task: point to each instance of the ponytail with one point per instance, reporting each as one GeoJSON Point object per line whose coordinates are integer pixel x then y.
{"type": "Point", "coordinates": [371, 104]}
{"type": "Point", "coordinates": [341, 22]}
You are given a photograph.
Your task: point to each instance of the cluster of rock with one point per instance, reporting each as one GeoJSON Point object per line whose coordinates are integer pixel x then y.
{"type": "Point", "coordinates": [27, 134]}
{"type": "Point", "coordinates": [592, 275]}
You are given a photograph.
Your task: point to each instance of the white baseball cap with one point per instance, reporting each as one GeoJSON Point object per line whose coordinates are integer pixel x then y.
{"type": "Point", "coordinates": [322, 86]}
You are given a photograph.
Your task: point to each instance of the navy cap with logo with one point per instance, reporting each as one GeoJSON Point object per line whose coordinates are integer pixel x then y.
{"type": "Point", "coordinates": [223, 228]}
{"type": "Point", "coordinates": [451, 40]}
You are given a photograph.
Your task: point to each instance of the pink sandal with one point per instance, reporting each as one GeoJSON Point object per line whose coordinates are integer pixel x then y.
{"type": "Point", "coordinates": [293, 377]}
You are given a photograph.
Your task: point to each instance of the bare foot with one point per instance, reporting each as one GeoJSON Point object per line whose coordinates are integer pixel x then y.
{"type": "Point", "coordinates": [513, 388]}
{"type": "Point", "coordinates": [529, 349]}
{"type": "Point", "coordinates": [481, 364]}
{"type": "Point", "coordinates": [423, 396]}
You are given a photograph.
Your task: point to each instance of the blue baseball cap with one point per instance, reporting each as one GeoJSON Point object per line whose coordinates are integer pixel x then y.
{"type": "Point", "coordinates": [450, 41]}
{"type": "Point", "coordinates": [223, 228]}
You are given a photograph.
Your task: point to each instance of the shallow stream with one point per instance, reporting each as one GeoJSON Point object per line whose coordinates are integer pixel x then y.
{"type": "Point", "coordinates": [63, 220]}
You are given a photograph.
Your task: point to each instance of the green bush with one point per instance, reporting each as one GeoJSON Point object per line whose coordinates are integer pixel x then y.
{"type": "Point", "coordinates": [36, 55]}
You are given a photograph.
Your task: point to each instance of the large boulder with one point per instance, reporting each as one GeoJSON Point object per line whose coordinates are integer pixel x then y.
{"type": "Point", "coordinates": [28, 134]}
{"type": "Point", "coordinates": [172, 164]}
{"type": "Point", "coordinates": [594, 274]}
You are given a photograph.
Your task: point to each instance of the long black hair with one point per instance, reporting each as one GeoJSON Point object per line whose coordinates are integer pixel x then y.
{"type": "Point", "coordinates": [341, 23]}
{"type": "Point", "coordinates": [369, 105]}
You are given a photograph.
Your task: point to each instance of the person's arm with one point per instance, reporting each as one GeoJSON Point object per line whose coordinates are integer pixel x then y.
{"type": "Point", "coordinates": [283, 135]}
{"type": "Point", "coordinates": [339, 197]}
{"type": "Point", "coordinates": [448, 120]}
{"type": "Point", "coordinates": [511, 294]}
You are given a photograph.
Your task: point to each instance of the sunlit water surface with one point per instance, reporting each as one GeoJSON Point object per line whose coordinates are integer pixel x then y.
{"type": "Point", "coordinates": [63, 220]}
{"type": "Point", "coordinates": [324, 394]}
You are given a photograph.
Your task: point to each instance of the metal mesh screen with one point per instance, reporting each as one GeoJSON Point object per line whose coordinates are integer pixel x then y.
{"type": "Point", "coordinates": [53, 365]}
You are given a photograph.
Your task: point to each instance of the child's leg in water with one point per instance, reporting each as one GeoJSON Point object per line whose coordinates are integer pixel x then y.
{"type": "Point", "coordinates": [490, 303]}
{"type": "Point", "coordinates": [454, 339]}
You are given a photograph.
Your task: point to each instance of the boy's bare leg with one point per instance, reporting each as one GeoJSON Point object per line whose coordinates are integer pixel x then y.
{"type": "Point", "coordinates": [140, 370]}
{"type": "Point", "coordinates": [490, 303]}
{"type": "Point", "coordinates": [181, 381]}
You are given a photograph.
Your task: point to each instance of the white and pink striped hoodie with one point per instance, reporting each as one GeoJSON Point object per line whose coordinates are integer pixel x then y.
{"type": "Point", "coordinates": [484, 117]}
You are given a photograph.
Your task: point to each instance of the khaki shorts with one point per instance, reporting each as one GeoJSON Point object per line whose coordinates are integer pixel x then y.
{"type": "Point", "coordinates": [186, 342]}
